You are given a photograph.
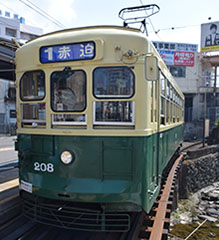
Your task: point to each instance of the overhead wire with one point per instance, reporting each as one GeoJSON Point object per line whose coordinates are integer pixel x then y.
{"type": "Point", "coordinates": [14, 12]}
{"type": "Point", "coordinates": [173, 28]}
{"type": "Point", "coordinates": [46, 13]}
{"type": "Point", "coordinates": [166, 29]}
{"type": "Point", "coordinates": [154, 30]}
{"type": "Point", "coordinates": [42, 13]}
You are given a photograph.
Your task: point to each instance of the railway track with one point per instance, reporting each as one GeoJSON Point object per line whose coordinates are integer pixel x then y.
{"type": "Point", "coordinates": [10, 204]}
{"type": "Point", "coordinates": [154, 226]}
{"type": "Point", "coordinates": [8, 166]}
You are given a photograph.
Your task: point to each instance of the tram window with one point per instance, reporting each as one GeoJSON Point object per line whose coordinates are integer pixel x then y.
{"type": "Point", "coordinates": [162, 83]}
{"type": "Point", "coordinates": [155, 99]}
{"type": "Point", "coordinates": [162, 110]}
{"type": "Point", "coordinates": [152, 100]}
{"type": "Point", "coordinates": [68, 119]}
{"type": "Point", "coordinates": [168, 90]}
{"type": "Point", "coordinates": [167, 111]}
{"type": "Point", "coordinates": [178, 71]}
{"type": "Point", "coordinates": [32, 85]}
{"type": "Point", "coordinates": [171, 93]}
{"type": "Point", "coordinates": [171, 111]}
{"type": "Point", "coordinates": [114, 113]}
{"type": "Point", "coordinates": [162, 106]}
{"type": "Point", "coordinates": [113, 82]}
{"type": "Point", "coordinates": [68, 90]}
{"type": "Point", "coordinates": [33, 114]}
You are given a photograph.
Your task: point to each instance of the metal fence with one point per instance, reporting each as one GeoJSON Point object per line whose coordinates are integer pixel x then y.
{"type": "Point", "coordinates": [6, 128]}
{"type": "Point", "coordinates": [3, 129]}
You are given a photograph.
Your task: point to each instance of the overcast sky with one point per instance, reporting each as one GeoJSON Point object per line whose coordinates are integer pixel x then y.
{"type": "Point", "coordinates": [185, 16]}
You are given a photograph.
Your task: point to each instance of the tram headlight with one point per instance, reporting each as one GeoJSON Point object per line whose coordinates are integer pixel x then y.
{"type": "Point", "coordinates": [66, 157]}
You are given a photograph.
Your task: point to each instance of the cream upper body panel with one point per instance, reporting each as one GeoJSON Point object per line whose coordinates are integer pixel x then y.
{"type": "Point", "coordinates": [110, 42]}
{"type": "Point", "coordinates": [112, 48]}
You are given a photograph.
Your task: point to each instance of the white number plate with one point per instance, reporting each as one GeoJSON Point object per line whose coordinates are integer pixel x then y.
{"type": "Point", "coordinates": [26, 186]}
{"type": "Point", "coordinates": [43, 167]}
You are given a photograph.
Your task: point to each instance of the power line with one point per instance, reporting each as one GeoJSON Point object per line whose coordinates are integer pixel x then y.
{"type": "Point", "coordinates": [15, 12]}
{"type": "Point", "coordinates": [46, 14]}
{"type": "Point", "coordinates": [42, 14]}
{"type": "Point", "coordinates": [173, 28]}
{"type": "Point", "coordinates": [151, 22]}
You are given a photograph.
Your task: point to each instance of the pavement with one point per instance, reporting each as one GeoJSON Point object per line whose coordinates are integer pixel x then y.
{"type": "Point", "coordinates": [7, 152]}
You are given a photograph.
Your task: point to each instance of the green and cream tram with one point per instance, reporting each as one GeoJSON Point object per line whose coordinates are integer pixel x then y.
{"type": "Point", "coordinates": [99, 116]}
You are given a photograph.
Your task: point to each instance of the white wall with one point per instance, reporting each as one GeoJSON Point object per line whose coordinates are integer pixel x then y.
{"type": "Point", "coordinates": [191, 82]}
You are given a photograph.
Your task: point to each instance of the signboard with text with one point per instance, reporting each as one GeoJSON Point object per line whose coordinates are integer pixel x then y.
{"type": "Point", "coordinates": [67, 52]}
{"type": "Point", "coordinates": [184, 58]}
{"type": "Point", "coordinates": [167, 56]}
{"type": "Point", "coordinates": [178, 54]}
{"type": "Point", "coordinates": [210, 37]}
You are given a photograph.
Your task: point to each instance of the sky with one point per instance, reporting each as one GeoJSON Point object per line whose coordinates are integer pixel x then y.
{"type": "Point", "coordinates": [184, 16]}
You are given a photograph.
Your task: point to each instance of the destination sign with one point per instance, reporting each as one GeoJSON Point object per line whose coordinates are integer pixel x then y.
{"type": "Point", "coordinates": [67, 52]}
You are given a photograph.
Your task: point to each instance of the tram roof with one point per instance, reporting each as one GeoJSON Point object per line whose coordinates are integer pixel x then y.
{"type": "Point", "coordinates": [91, 29]}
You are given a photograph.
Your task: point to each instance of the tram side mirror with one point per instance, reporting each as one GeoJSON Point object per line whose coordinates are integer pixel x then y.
{"type": "Point", "coordinates": [151, 68]}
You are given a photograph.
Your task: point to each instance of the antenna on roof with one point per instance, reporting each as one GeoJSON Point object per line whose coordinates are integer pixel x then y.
{"type": "Point", "coordinates": [128, 15]}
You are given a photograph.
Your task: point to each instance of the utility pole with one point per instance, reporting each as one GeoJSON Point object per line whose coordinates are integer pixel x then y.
{"type": "Point", "coordinates": [205, 108]}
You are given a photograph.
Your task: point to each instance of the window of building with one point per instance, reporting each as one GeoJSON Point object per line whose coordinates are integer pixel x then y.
{"type": "Point", "coordinates": [10, 32]}
{"type": "Point", "coordinates": [11, 92]}
{"type": "Point", "coordinates": [27, 36]}
{"type": "Point", "coordinates": [113, 82]}
{"type": "Point", "coordinates": [22, 20]}
{"type": "Point", "coordinates": [7, 14]}
{"type": "Point", "coordinates": [201, 98]}
{"type": "Point", "coordinates": [16, 16]}
{"type": "Point", "coordinates": [68, 91]}
{"type": "Point", "coordinates": [32, 85]}
{"type": "Point", "coordinates": [178, 71]}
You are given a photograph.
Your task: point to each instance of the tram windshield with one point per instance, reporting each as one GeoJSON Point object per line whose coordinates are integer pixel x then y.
{"type": "Point", "coordinates": [113, 82]}
{"type": "Point", "coordinates": [68, 90]}
{"type": "Point", "coordinates": [32, 85]}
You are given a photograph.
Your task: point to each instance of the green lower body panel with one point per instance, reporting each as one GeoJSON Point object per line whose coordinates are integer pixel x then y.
{"type": "Point", "coordinates": [119, 173]}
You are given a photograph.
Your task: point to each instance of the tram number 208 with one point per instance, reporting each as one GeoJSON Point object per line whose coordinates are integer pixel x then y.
{"type": "Point", "coordinates": [43, 167]}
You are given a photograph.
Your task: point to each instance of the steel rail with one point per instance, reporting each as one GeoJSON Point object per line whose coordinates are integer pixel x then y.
{"type": "Point", "coordinates": [189, 146]}
{"type": "Point", "coordinates": [160, 218]}
{"type": "Point", "coordinates": [157, 223]}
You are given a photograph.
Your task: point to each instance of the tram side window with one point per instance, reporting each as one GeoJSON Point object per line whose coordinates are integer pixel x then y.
{"type": "Point", "coordinates": [168, 102]}
{"type": "Point", "coordinates": [113, 82]}
{"type": "Point", "coordinates": [162, 103]}
{"type": "Point", "coordinates": [152, 100]}
{"type": "Point", "coordinates": [68, 90]}
{"type": "Point", "coordinates": [171, 103]}
{"type": "Point", "coordinates": [114, 112]}
{"type": "Point", "coordinates": [32, 85]}
{"type": "Point", "coordinates": [110, 83]}
{"type": "Point", "coordinates": [174, 106]}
